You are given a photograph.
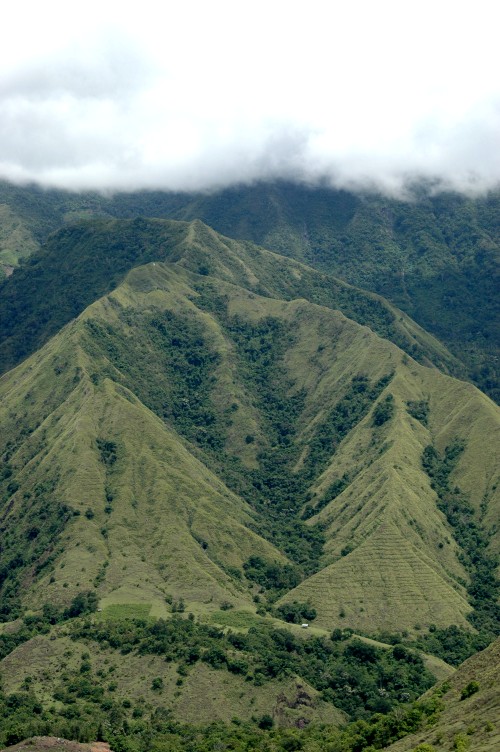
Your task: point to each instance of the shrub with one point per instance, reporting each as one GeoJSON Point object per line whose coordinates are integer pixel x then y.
{"type": "Point", "coordinates": [471, 689]}
{"type": "Point", "coordinates": [266, 722]}
{"type": "Point", "coordinates": [383, 411]}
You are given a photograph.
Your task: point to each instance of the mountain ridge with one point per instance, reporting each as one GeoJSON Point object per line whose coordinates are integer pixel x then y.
{"type": "Point", "coordinates": [433, 255]}
{"type": "Point", "coordinates": [211, 453]}
{"type": "Point", "coordinates": [86, 260]}
{"type": "Point", "coordinates": [160, 306]}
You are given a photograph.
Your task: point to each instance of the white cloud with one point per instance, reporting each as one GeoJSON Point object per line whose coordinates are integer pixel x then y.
{"type": "Point", "coordinates": [198, 95]}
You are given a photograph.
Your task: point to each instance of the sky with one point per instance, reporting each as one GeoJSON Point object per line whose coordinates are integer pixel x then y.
{"type": "Point", "coordinates": [200, 95]}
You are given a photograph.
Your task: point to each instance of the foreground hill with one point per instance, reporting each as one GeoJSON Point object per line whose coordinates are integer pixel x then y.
{"type": "Point", "coordinates": [205, 694]}
{"type": "Point", "coordinates": [460, 714]}
{"type": "Point", "coordinates": [470, 715]}
{"type": "Point", "coordinates": [185, 435]}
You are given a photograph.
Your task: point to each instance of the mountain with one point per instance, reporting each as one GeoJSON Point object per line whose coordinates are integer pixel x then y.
{"type": "Point", "coordinates": [185, 423]}
{"type": "Point", "coordinates": [87, 260]}
{"type": "Point", "coordinates": [205, 444]}
{"type": "Point", "coordinates": [434, 256]}
{"type": "Point", "coordinates": [131, 505]}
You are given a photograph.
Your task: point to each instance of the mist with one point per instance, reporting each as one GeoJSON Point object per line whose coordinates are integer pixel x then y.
{"type": "Point", "coordinates": [373, 96]}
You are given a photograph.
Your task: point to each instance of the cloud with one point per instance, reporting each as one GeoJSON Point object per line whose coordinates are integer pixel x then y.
{"type": "Point", "coordinates": [205, 95]}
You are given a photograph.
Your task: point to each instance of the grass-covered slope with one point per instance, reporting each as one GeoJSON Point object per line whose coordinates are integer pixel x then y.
{"type": "Point", "coordinates": [435, 256]}
{"type": "Point", "coordinates": [85, 261]}
{"type": "Point", "coordinates": [470, 714]}
{"type": "Point", "coordinates": [184, 424]}
{"type": "Point", "coordinates": [99, 492]}
{"type": "Point", "coordinates": [378, 507]}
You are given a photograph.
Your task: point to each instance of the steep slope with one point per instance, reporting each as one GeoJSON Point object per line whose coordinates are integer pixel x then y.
{"type": "Point", "coordinates": [129, 428]}
{"type": "Point", "coordinates": [470, 718]}
{"type": "Point", "coordinates": [88, 259]}
{"type": "Point", "coordinates": [435, 256]}
{"type": "Point", "coordinates": [384, 530]}
{"type": "Point", "coordinates": [98, 491]}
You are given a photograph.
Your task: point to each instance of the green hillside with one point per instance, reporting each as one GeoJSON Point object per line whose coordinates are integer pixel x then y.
{"type": "Point", "coordinates": [469, 717]}
{"type": "Point", "coordinates": [434, 256]}
{"type": "Point", "coordinates": [132, 508]}
{"type": "Point", "coordinates": [217, 445]}
{"type": "Point", "coordinates": [181, 399]}
{"type": "Point", "coordinates": [86, 260]}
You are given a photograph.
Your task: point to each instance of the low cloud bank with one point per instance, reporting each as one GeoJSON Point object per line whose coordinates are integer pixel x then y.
{"type": "Point", "coordinates": [374, 96]}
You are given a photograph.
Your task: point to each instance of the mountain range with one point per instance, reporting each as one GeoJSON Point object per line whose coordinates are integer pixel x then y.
{"type": "Point", "coordinates": [436, 257]}
{"type": "Point", "coordinates": [199, 431]}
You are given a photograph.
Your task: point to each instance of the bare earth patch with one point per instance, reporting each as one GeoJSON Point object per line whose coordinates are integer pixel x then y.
{"type": "Point", "coordinates": [55, 744]}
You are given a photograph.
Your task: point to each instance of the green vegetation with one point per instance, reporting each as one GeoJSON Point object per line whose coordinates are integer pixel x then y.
{"type": "Point", "coordinates": [261, 348]}
{"type": "Point", "coordinates": [32, 540]}
{"type": "Point", "coordinates": [484, 587]}
{"type": "Point", "coordinates": [435, 257]}
{"type": "Point", "coordinates": [384, 411]}
{"type": "Point", "coordinates": [271, 575]}
{"type": "Point", "coordinates": [33, 624]}
{"type": "Point", "coordinates": [376, 680]}
{"type": "Point", "coordinates": [296, 613]}
{"type": "Point", "coordinates": [452, 644]}
{"type": "Point", "coordinates": [86, 712]}
{"type": "Point", "coordinates": [419, 409]}
{"type": "Point", "coordinates": [266, 653]}
{"type": "Point", "coordinates": [471, 689]}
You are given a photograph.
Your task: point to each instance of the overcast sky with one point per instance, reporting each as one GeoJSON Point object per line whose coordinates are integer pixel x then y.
{"type": "Point", "coordinates": [191, 95]}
